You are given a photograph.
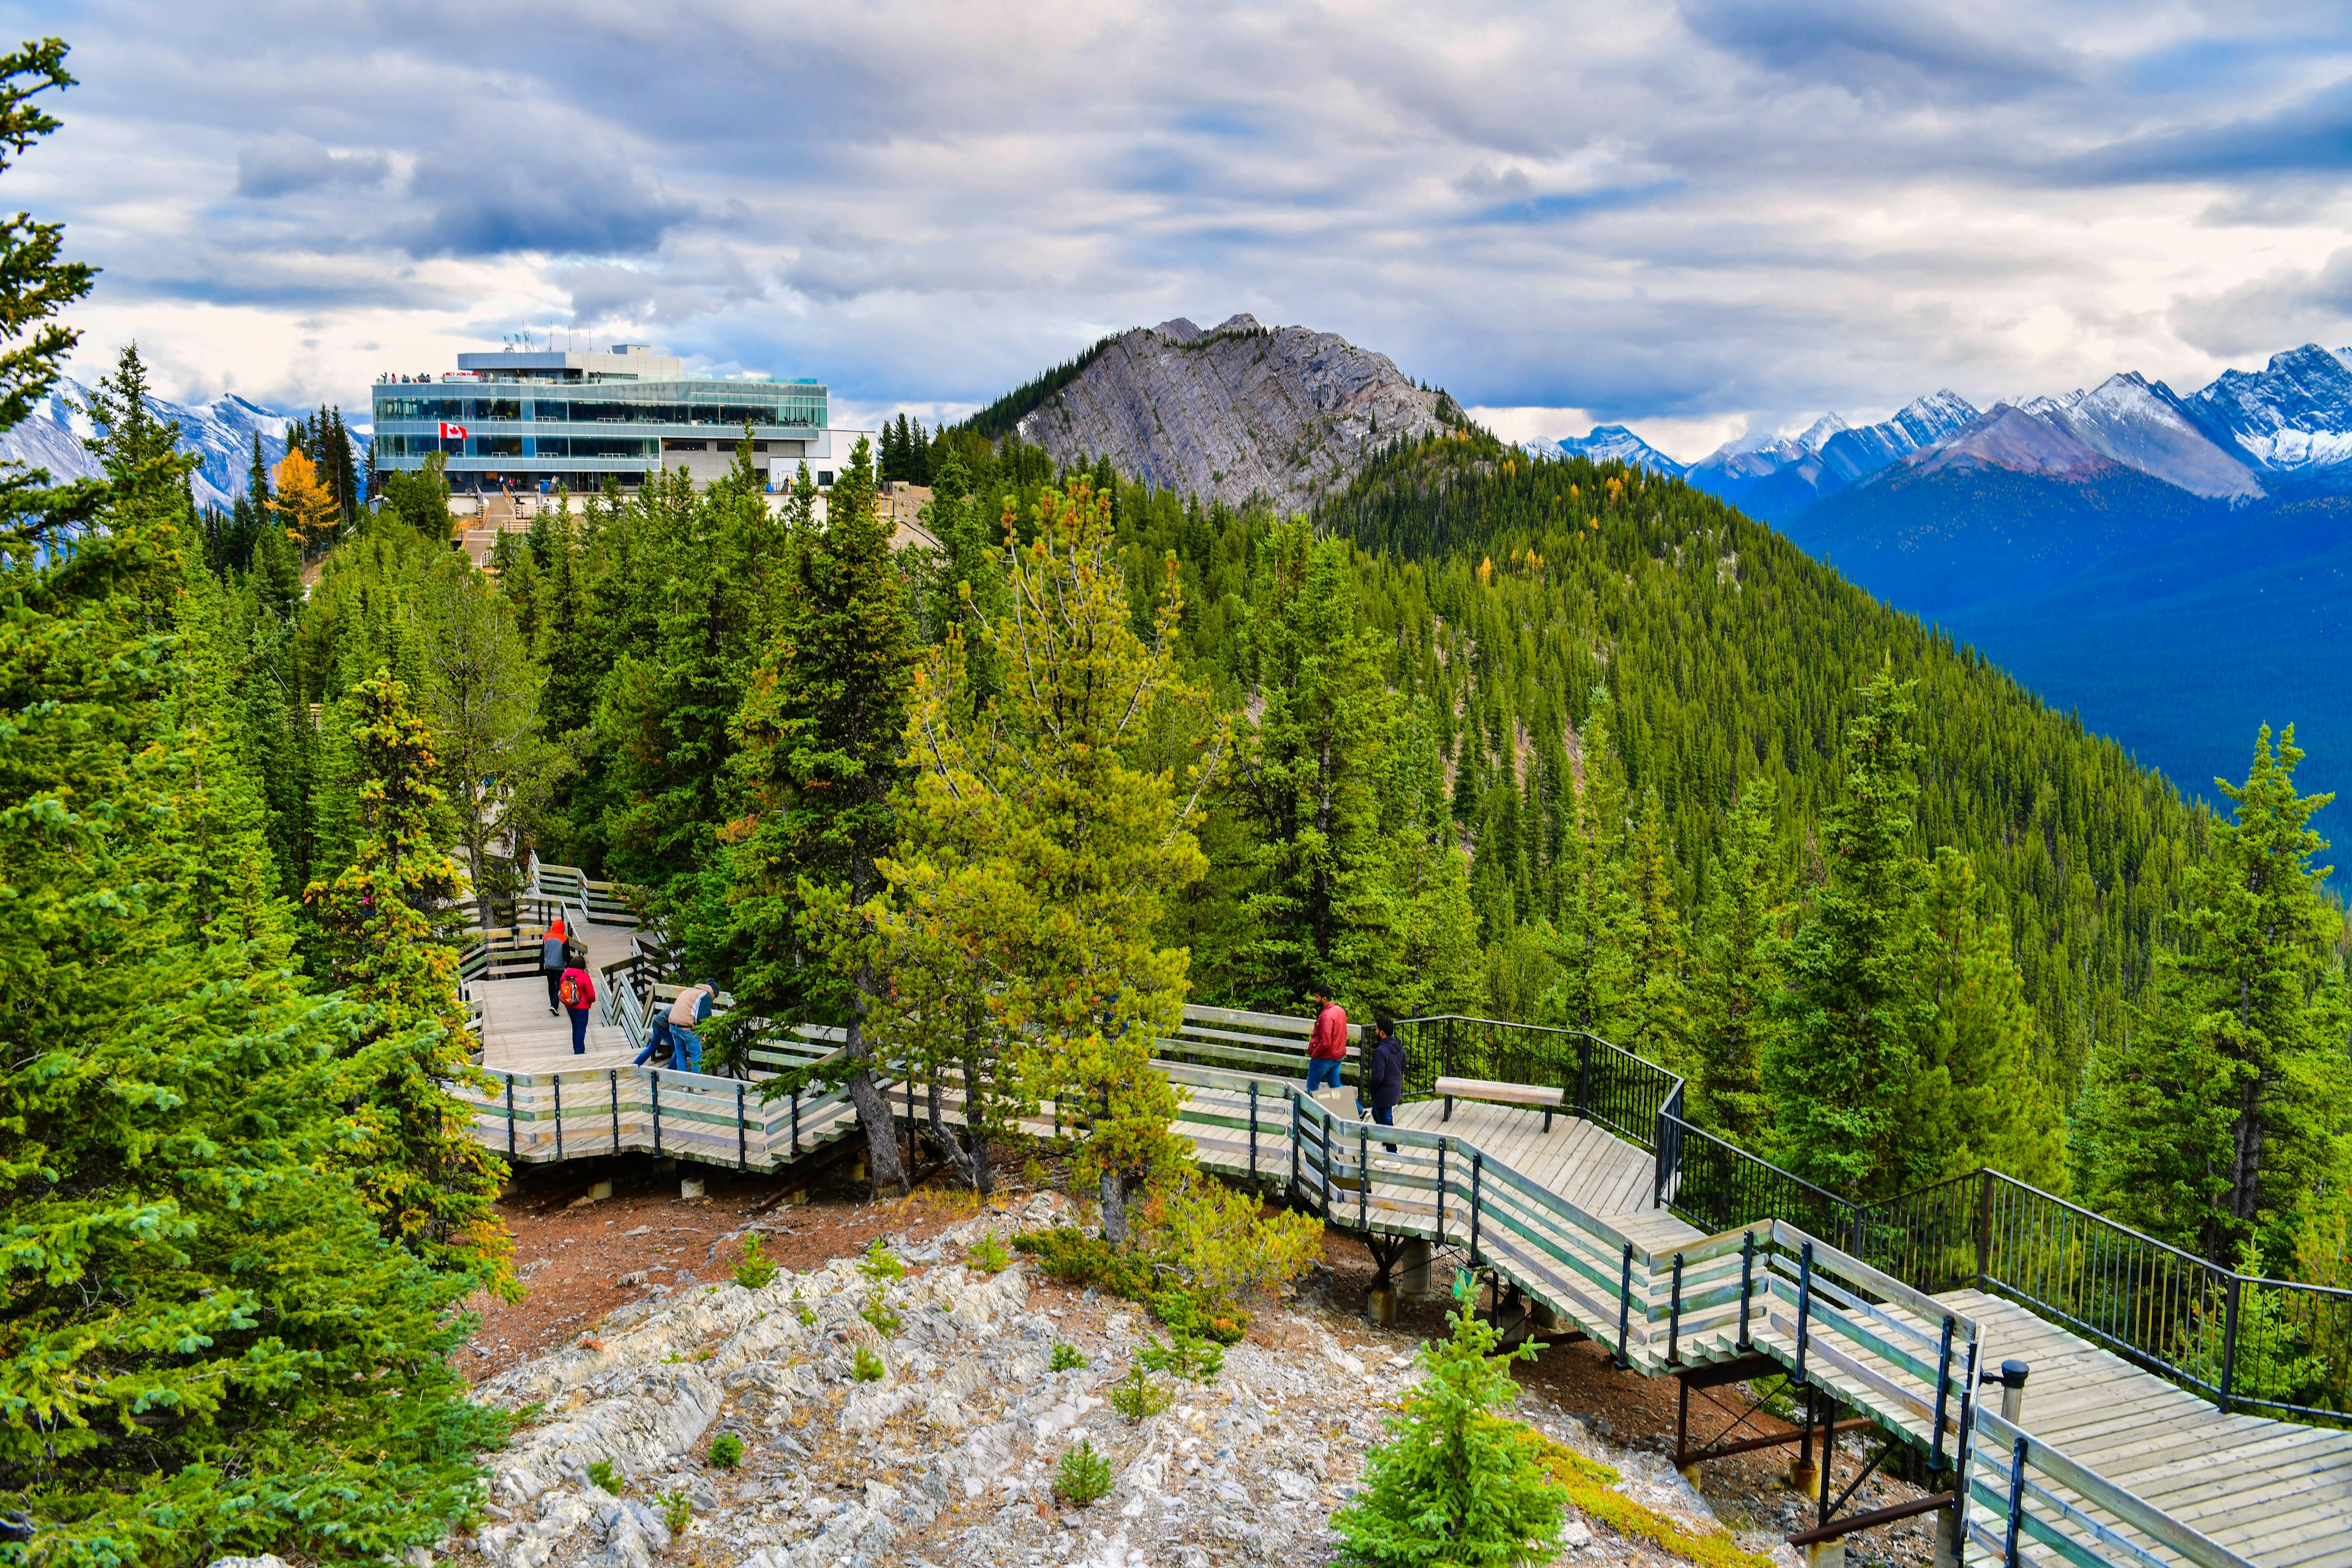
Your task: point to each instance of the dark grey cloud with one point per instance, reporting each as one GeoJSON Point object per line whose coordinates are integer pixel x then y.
{"type": "Point", "coordinates": [477, 207]}
{"type": "Point", "coordinates": [1877, 50]}
{"type": "Point", "coordinates": [2312, 134]}
{"type": "Point", "coordinates": [284, 165]}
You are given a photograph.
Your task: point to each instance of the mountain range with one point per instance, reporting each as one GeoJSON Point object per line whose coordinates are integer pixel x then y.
{"type": "Point", "coordinates": [219, 434]}
{"type": "Point", "coordinates": [2176, 568]}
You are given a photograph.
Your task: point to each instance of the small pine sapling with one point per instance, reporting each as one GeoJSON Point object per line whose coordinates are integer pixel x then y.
{"type": "Point", "coordinates": [1083, 1476]}
{"type": "Point", "coordinates": [677, 1511]}
{"type": "Point", "coordinates": [878, 1313]}
{"type": "Point", "coordinates": [756, 1268]}
{"type": "Point", "coordinates": [1455, 1481]}
{"type": "Point", "coordinates": [1137, 1397]}
{"type": "Point", "coordinates": [990, 1257]}
{"type": "Point", "coordinates": [880, 1264]}
{"type": "Point", "coordinates": [1066, 1358]}
{"type": "Point", "coordinates": [607, 1477]}
{"type": "Point", "coordinates": [1188, 1352]}
{"type": "Point", "coordinates": [807, 1315]}
{"type": "Point", "coordinates": [866, 1367]}
{"type": "Point", "coordinates": [727, 1450]}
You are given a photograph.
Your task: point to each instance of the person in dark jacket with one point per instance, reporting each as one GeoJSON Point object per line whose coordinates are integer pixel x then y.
{"type": "Point", "coordinates": [1384, 1073]}
{"type": "Point", "coordinates": [554, 960]}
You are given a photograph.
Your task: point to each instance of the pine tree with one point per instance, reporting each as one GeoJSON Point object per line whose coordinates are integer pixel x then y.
{"type": "Point", "coordinates": [1038, 847]}
{"type": "Point", "coordinates": [1855, 1019]}
{"type": "Point", "coordinates": [823, 732]}
{"type": "Point", "coordinates": [1657, 1007]}
{"type": "Point", "coordinates": [2213, 1121]}
{"type": "Point", "coordinates": [1739, 974]}
{"type": "Point", "coordinates": [1591, 948]}
{"type": "Point", "coordinates": [431, 1184]}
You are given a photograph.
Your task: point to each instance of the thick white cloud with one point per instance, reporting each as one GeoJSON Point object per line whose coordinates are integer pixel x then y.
{"type": "Point", "coordinates": [1724, 217]}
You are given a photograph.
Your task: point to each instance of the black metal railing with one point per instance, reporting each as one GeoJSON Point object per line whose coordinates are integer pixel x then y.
{"type": "Point", "coordinates": [1597, 1080]}
{"type": "Point", "coordinates": [1719, 1187]}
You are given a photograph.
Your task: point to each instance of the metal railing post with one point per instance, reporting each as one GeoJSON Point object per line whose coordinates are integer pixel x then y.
{"type": "Point", "coordinates": [1477, 1171]}
{"type": "Point", "coordinates": [511, 1119]}
{"type": "Point", "coordinates": [2016, 1502]}
{"type": "Point", "coordinates": [1583, 1076]}
{"type": "Point", "coordinates": [1746, 1287]}
{"type": "Point", "coordinates": [1675, 1316]}
{"type": "Point", "coordinates": [555, 1081]}
{"type": "Point", "coordinates": [1252, 1154]}
{"type": "Point", "coordinates": [1291, 1096]}
{"type": "Point", "coordinates": [2230, 1343]}
{"type": "Point", "coordinates": [1325, 1123]}
{"type": "Point", "coordinates": [1440, 1235]}
{"type": "Point", "coordinates": [1364, 1179]}
{"type": "Point", "coordinates": [614, 1075]}
{"type": "Point", "coordinates": [1804, 1304]}
{"type": "Point", "coordinates": [1984, 1227]}
{"type": "Point", "coordinates": [742, 1133]}
{"type": "Point", "coordinates": [653, 1076]}
{"type": "Point", "coordinates": [1943, 1393]}
{"type": "Point", "coordinates": [796, 1124]}
{"type": "Point", "coordinates": [1624, 1303]}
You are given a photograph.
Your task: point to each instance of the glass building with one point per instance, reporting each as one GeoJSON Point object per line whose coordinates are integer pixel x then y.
{"type": "Point", "coordinates": [532, 420]}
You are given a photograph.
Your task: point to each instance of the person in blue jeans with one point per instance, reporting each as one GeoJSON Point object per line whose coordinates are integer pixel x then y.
{"type": "Point", "coordinates": [1327, 1045]}
{"type": "Point", "coordinates": [1383, 1079]}
{"type": "Point", "coordinates": [692, 1006]}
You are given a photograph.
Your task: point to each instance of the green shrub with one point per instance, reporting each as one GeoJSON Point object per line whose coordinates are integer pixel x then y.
{"type": "Point", "coordinates": [1137, 1397]}
{"type": "Point", "coordinates": [727, 1450]}
{"type": "Point", "coordinates": [756, 1268]}
{"type": "Point", "coordinates": [807, 1315]}
{"type": "Point", "coordinates": [677, 1511]}
{"type": "Point", "coordinates": [1069, 1255]}
{"type": "Point", "coordinates": [880, 1264]}
{"type": "Point", "coordinates": [990, 1256]}
{"type": "Point", "coordinates": [1186, 1354]}
{"type": "Point", "coordinates": [1066, 1358]}
{"type": "Point", "coordinates": [866, 1367]}
{"type": "Point", "coordinates": [607, 1477]}
{"type": "Point", "coordinates": [1220, 1245]}
{"type": "Point", "coordinates": [878, 1313]}
{"type": "Point", "coordinates": [1455, 1481]}
{"type": "Point", "coordinates": [1083, 1476]}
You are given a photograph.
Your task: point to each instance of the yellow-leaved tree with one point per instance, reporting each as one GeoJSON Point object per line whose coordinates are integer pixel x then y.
{"type": "Point", "coordinates": [304, 503]}
{"type": "Point", "coordinates": [1044, 828]}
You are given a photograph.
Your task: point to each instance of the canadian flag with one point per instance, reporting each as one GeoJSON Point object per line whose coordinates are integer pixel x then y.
{"type": "Point", "coordinates": [452, 432]}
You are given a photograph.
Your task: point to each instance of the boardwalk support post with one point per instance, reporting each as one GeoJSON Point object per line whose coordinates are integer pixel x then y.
{"type": "Point", "coordinates": [1746, 1287]}
{"type": "Point", "coordinates": [1624, 1303]}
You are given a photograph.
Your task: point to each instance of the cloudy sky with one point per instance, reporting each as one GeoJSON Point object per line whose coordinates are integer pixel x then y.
{"type": "Point", "coordinates": [1697, 220]}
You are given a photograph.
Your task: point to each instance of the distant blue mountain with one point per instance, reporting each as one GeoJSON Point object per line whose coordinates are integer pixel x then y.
{"type": "Point", "coordinates": [1612, 444]}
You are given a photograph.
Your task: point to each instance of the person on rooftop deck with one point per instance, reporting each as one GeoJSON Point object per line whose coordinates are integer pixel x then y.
{"type": "Point", "coordinates": [1327, 1047]}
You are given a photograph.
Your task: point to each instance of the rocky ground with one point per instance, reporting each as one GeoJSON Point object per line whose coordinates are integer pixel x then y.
{"type": "Point", "coordinates": [947, 1458]}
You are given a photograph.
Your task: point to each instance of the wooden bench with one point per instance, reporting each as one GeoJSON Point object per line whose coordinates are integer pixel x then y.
{"type": "Point", "coordinates": [1528, 1094]}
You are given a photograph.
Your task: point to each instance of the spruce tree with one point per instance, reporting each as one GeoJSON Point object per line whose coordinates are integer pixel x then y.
{"type": "Point", "coordinates": [1738, 974]}
{"type": "Point", "coordinates": [430, 1182]}
{"type": "Point", "coordinates": [1657, 1004]}
{"type": "Point", "coordinates": [1592, 947]}
{"type": "Point", "coordinates": [821, 731]}
{"type": "Point", "coordinates": [2210, 1124]}
{"type": "Point", "coordinates": [1854, 1018]}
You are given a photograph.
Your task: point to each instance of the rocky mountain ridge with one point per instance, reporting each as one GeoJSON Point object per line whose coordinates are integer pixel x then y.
{"type": "Point", "coordinates": [219, 433]}
{"type": "Point", "coordinates": [1283, 414]}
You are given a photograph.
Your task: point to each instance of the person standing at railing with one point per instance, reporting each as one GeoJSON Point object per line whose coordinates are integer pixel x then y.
{"type": "Point", "coordinates": [578, 993]}
{"type": "Point", "coordinates": [1384, 1073]}
{"type": "Point", "coordinates": [692, 1006]}
{"type": "Point", "coordinates": [1327, 1045]}
{"type": "Point", "coordinates": [553, 959]}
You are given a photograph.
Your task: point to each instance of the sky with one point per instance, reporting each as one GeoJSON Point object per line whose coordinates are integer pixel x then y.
{"type": "Point", "coordinates": [1703, 221]}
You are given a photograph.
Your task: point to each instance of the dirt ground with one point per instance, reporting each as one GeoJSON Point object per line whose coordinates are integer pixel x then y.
{"type": "Point", "coordinates": [579, 1257]}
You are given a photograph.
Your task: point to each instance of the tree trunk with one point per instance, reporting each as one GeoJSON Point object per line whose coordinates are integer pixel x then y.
{"type": "Point", "coordinates": [984, 1171]}
{"type": "Point", "coordinates": [1114, 1208]}
{"type": "Point", "coordinates": [943, 1138]}
{"type": "Point", "coordinates": [873, 1112]}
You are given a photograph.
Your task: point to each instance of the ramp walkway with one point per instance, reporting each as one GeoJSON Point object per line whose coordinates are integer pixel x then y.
{"type": "Point", "coordinates": [2150, 1434]}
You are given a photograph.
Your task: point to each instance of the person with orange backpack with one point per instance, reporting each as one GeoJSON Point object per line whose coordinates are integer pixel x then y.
{"type": "Point", "coordinates": [578, 993]}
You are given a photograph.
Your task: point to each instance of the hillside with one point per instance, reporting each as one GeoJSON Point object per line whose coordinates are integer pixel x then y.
{"type": "Point", "coordinates": [1284, 414]}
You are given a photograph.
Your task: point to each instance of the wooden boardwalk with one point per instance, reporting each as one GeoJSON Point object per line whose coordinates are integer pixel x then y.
{"type": "Point", "coordinates": [2124, 1469]}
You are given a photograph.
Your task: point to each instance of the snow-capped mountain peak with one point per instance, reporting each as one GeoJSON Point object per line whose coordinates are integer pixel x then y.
{"type": "Point", "coordinates": [1612, 444]}
{"type": "Point", "coordinates": [219, 433]}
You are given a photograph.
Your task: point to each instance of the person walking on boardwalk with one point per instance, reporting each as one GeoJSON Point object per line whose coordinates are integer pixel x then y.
{"type": "Point", "coordinates": [692, 1006]}
{"type": "Point", "coordinates": [553, 962]}
{"type": "Point", "coordinates": [1384, 1073]}
{"type": "Point", "coordinates": [1327, 1047]}
{"type": "Point", "coordinates": [578, 993]}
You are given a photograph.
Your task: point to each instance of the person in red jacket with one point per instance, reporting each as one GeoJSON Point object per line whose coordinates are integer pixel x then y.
{"type": "Point", "coordinates": [1327, 1048]}
{"type": "Point", "coordinates": [579, 994]}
